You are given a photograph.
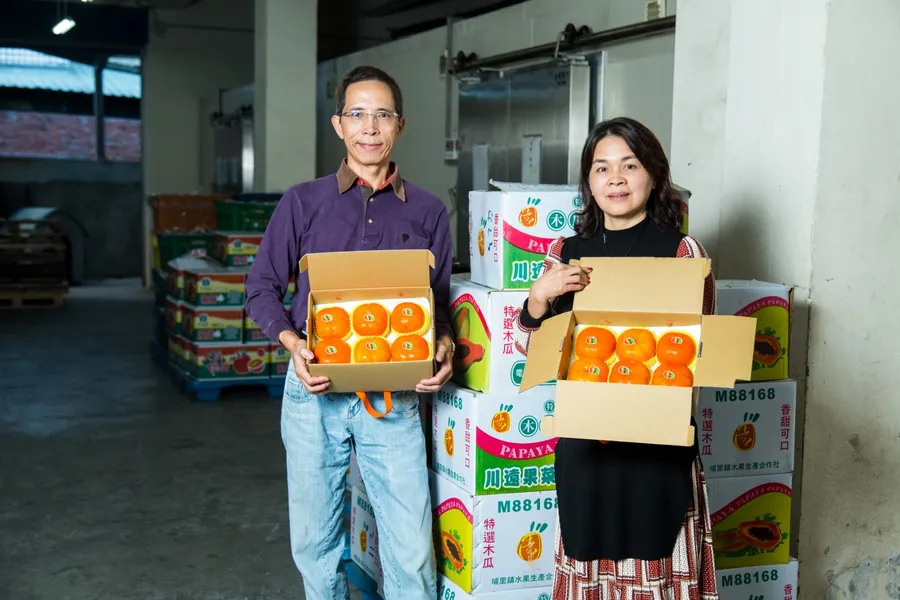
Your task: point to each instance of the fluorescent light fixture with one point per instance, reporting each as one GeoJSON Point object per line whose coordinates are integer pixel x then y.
{"type": "Point", "coordinates": [63, 26]}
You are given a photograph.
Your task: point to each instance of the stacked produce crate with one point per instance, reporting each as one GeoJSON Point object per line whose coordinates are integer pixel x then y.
{"type": "Point", "coordinates": [210, 341]}
{"type": "Point", "coordinates": [492, 470]}
{"type": "Point", "coordinates": [33, 264]}
{"type": "Point", "coordinates": [747, 447]}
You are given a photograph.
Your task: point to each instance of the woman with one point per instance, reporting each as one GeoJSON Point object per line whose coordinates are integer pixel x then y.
{"type": "Point", "coordinates": [633, 518]}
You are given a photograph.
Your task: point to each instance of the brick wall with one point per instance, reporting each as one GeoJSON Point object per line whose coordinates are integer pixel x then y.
{"type": "Point", "coordinates": [48, 135]}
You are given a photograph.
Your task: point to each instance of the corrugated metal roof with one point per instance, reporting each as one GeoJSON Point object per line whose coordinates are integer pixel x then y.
{"type": "Point", "coordinates": [20, 68]}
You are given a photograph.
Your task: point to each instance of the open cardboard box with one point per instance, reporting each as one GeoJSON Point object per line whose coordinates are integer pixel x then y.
{"type": "Point", "coordinates": [638, 292]}
{"type": "Point", "coordinates": [377, 275]}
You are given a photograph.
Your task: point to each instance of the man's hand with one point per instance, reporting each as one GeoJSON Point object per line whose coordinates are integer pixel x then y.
{"type": "Point", "coordinates": [301, 355]}
{"type": "Point", "coordinates": [443, 355]}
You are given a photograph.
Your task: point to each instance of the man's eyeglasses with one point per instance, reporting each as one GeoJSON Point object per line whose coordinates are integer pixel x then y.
{"type": "Point", "coordinates": [358, 117]}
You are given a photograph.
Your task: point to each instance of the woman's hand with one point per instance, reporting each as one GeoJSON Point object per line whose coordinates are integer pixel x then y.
{"type": "Point", "coordinates": [558, 280]}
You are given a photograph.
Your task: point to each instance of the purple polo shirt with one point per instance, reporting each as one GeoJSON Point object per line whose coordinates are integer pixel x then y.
{"type": "Point", "coordinates": [337, 213]}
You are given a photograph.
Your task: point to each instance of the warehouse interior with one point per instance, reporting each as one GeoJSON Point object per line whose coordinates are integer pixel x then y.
{"type": "Point", "coordinates": [120, 480]}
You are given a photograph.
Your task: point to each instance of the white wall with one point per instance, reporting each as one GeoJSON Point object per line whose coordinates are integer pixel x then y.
{"type": "Point", "coordinates": [414, 63]}
{"type": "Point", "coordinates": [183, 69]}
{"type": "Point", "coordinates": [791, 149]}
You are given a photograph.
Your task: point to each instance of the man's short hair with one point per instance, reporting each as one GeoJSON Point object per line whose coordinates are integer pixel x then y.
{"type": "Point", "coordinates": [367, 73]}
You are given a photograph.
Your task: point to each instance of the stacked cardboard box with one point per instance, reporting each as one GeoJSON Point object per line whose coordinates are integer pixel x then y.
{"type": "Point", "coordinates": [747, 446]}
{"type": "Point", "coordinates": [210, 334]}
{"type": "Point", "coordinates": [493, 474]}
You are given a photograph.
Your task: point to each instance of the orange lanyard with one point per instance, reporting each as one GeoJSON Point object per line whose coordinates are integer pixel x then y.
{"type": "Point", "coordinates": [365, 400]}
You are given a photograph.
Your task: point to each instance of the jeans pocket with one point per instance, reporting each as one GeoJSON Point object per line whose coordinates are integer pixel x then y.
{"type": "Point", "coordinates": [405, 404]}
{"type": "Point", "coordinates": [295, 393]}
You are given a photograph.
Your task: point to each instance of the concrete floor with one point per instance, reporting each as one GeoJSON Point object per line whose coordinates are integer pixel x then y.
{"type": "Point", "coordinates": [113, 485]}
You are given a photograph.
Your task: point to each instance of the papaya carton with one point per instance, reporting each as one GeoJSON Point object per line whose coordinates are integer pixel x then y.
{"type": "Point", "coordinates": [214, 286]}
{"type": "Point", "coordinates": [251, 331]}
{"type": "Point", "coordinates": [771, 305]}
{"type": "Point", "coordinates": [236, 249]}
{"type": "Point", "coordinates": [279, 360]}
{"type": "Point", "coordinates": [771, 582]}
{"type": "Point", "coordinates": [511, 230]}
{"type": "Point", "coordinates": [173, 315]}
{"type": "Point", "coordinates": [494, 543]}
{"type": "Point", "coordinates": [751, 520]}
{"type": "Point", "coordinates": [364, 536]}
{"type": "Point", "coordinates": [202, 324]}
{"type": "Point", "coordinates": [357, 303]}
{"type": "Point", "coordinates": [229, 361]}
{"type": "Point", "coordinates": [447, 590]}
{"type": "Point", "coordinates": [176, 267]}
{"type": "Point", "coordinates": [638, 304]}
{"type": "Point", "coordinates": [748, 430]}
{"type": "Point", "coordinates": [354, 475]}
{"type": "Point", "coordinates": [487, 358]}
{"type": "Point", "coordinates": [492, 443]}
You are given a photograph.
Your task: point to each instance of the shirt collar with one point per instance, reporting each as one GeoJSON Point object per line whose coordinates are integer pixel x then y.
{"type": "Point", "coordinates": [346, 179]}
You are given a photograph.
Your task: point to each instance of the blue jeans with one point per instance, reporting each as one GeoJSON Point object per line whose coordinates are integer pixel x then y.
{"type": "Point", "coordinates": [317, 432]}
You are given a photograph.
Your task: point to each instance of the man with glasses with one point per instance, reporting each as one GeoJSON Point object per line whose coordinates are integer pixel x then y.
{"type": "Point", "coordinates": [366, 205]}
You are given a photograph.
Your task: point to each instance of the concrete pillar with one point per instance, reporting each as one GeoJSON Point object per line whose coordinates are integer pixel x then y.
{"type": "Point", "coordinates": [284, 93]}
{"type": "Point", "coordinates": [785, 129]}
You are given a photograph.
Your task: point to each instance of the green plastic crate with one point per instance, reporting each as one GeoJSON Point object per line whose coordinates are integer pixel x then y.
{"type": "Point", "coordinates": [171, 245]}
{"type": "Point", "coordinates": [243, 216]}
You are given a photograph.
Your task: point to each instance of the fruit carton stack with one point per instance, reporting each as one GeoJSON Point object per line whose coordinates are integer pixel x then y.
{"type": "Point", "coordinates": [747, 447]}
{"type": "Point", "coordinates": [210, 334]}
{"type": "Point", "coordinates": [492, 470]}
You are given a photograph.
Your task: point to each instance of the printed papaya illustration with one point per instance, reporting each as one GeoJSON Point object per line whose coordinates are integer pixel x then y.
{"type": "Point", "coordinates": [452, 551]}
{"type": "Point", "coordinates": [744, 437]}
{"type": "Point", "coordinates": [467, 353]}
{"type": "Point", "coordinates": [502, 420]}
{"type": "Point", "coordinates": [528, 216]}
{"type": "Point", "coordinates": [461, 324]}
{"type": "Point", "coordinates": [362, 541]}
{"type": "Point", "coordinates": [728, 541]}
{"type": "Point", "coordinates": [767, 349]}
{"type": "Point", "coordinates": [481, 243]}
{"type": "Point", "coordinates": [762, 534]}
{"type": "Point", "coordinates": [531, 545]}
{"type": "Point", "coordinates": [448, 437]}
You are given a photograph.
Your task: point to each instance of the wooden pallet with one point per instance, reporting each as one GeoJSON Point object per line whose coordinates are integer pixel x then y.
{"type": "Point", "coordinates": [21, 296]}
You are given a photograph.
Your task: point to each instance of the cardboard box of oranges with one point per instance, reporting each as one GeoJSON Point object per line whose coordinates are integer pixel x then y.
{"type": "Point", "coordinates": [370, 318]}
{"type": "Point", "coordinates": [629, 354]}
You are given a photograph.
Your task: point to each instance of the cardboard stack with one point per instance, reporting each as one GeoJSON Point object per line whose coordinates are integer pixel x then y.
{"type": "Point", "coordinates": [493, 473]}
{"type": "Point", "coordinates": [210, 335]}
{"type": "Point", "coordinates": [747, 447]}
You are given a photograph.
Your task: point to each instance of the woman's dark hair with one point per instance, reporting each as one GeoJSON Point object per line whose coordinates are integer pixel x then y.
{"type": "Point", "coordinates": [367, 73]}
{"type": "Point", "coordinates": [664, 204]}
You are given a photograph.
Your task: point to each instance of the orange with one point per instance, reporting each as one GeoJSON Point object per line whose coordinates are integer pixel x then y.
{"type": "Point", "coordinates": [332, 322]}
{"type": "Point", "coordinates": [410, 347]}
{"type": "Point", "coordinates": [332, 351]}
{"type": "Point", "coordinates": [672, 374]}
{"type": "Point", "coordinates": [629, 371]}
{"type": "Point", "coordinates": [595, 342]}
{"type": "Point", "coordinates": [676, 348]}
{"type": "Point", "coordinates": [588, 369]}
{"type": "Point", "coordinates": [408, 317]}
{"type": "Point", "coordinates": [636, 344]}
{"type": "Point", "coordinates": [372, 349]}
{"type": "Point", "coordinates": [370, 318]}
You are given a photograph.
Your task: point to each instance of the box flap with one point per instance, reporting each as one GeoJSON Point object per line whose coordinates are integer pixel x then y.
{"type": "Point", "coordinates": [726, 351]}
{"type": "Point", "coordinates": [647, 414]}
{"type": "Point", "coordinates": [507, 186]}
{"type": "Point", "coordinates": [549, 347]}
{"type": "Point", "coordinates": [645, 285]}
{"type": "Point", "coordinates": [368, 269]}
